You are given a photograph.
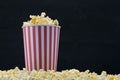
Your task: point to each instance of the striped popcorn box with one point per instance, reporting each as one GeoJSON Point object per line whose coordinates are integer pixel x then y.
{"type": "Point", "coordinates": [41, 44]}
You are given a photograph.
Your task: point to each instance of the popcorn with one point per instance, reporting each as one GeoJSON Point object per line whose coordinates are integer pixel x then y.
{"type": "Point", "coordinates": [41, 20]}
{"type": "Point", "coordinates": [73, 74]}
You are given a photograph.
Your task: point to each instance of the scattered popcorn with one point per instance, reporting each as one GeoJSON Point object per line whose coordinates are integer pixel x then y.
{"type": "Point", "coordinates": [41, 20]}
{"type": "Point", "coordinates": [73, 74]}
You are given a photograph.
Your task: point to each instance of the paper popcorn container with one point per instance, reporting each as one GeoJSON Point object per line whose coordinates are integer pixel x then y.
{"type": "Point", "coordinates": [41, 44]}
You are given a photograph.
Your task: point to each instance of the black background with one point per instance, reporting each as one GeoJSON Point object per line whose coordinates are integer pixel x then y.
{"type": "Point", "coordinates": [90, 33]}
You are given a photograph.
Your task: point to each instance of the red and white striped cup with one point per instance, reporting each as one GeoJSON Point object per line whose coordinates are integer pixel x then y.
{"type": "Point", "coordinates": [41, 44]}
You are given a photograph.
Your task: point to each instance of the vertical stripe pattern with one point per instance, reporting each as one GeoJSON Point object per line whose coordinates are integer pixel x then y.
{"type": "Point", "coordinates": [41, 47]}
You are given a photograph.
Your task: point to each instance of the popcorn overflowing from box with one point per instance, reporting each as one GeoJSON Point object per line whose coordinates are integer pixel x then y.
{"type": "Point", "coordinates": [41, 20]}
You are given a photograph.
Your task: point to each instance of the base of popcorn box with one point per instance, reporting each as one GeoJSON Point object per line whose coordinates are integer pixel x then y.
{"type": "Point", "coordinates": [72, 74]}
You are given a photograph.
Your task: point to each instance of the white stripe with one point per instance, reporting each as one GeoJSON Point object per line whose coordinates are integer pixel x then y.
{"type": "Point", "coordinates": [56, 47]}
{"type": "Point", "coordinates": [42, 42]}
{"type": "Point", "coordinates": [58, 37]}
{"type": "Point", "coordinates": [28, 52]}
{"type": "Point", "coordinates": [52, 48]}
{"type": "Point", "coordinates": [32, 46]}
{"type": "Point", "coordinates": [48, 52]}
{"type": "Point", "coordinates": [37, 47]}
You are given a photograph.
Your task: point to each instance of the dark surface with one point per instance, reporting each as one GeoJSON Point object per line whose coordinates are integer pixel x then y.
{"type": "Point", "coordinates": [90, 33]}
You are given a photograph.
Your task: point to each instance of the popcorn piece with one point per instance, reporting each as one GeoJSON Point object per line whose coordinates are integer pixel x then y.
{"type": "Point", "coordinates": [41, 20]}
{"type": "Point", "coordinates": [55, 22]}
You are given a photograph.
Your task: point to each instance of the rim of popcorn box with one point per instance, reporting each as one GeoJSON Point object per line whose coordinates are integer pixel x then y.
{"type": "Point", "coordinates": [40, 25]}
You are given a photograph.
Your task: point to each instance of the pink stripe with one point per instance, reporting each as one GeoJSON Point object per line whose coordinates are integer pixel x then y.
{"type": "Point", "coordinates": [50, 47]}
{"type": "Point", "coordinates": [45, 47]}
{"type": "Point", "coordinates": [39, 37]}
{"type": "Point", "coordinates": [34, 44]}
{"type": "Point", "coordinates": [25, 48]}
{"type": "Point", "coordinates": [29, 41]}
